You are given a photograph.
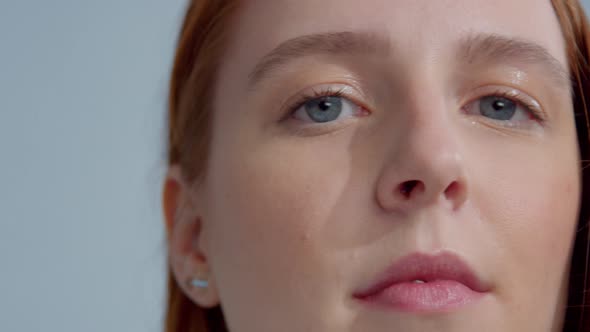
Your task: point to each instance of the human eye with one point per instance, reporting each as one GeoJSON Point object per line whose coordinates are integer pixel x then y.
{"type": "Point", "coordinates": [510, 108]}
{"type": "Point", "coordinates": [325, 105]}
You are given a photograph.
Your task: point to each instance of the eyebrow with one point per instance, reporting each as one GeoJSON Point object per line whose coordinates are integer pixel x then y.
{"type": "Point", "coordinates": [331, 43]}
{"type": "Point", "coordinates": [475, 48]}
{"type": "Point", "coordinates": [497, 49]}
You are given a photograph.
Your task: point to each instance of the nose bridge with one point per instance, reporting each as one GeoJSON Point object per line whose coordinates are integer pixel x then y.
{"type": "Point", "coordinates": [426, 165]}
{"type": "Point", "coordinates": [431, 144]}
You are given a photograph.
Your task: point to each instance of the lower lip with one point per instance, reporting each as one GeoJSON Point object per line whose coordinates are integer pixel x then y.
{"type": "Point", "coordinates": [435, 296]}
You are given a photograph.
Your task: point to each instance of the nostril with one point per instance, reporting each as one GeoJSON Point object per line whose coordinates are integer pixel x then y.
{"type": "Point", "coordinates": [406, 188]}
{"type": "Point", "coordinates": [452, 189]}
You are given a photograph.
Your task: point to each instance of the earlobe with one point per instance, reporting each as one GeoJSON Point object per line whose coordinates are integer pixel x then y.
{"type": "Point", "coordinates": [184, 236]}
{"type": "Point", "coordinates": [190, 265]}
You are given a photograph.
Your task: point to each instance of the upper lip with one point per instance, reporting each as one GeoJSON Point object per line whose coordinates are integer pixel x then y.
{"type": "Point", "coordinates": [444, 265]}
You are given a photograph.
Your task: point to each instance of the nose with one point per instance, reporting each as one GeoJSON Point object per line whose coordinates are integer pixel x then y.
{"type": "Point", "coordinates": [425, 168]}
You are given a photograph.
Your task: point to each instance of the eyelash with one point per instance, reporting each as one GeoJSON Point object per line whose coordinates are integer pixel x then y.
{"type": "Point", "coordinates": [513, 96]}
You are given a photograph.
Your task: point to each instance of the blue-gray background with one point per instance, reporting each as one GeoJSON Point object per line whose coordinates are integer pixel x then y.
{"type": "Point", "coordinates": [82, 103]}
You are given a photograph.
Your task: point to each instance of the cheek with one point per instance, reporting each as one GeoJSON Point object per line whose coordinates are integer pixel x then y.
{"type": "Point", "coordinates": [529, 202]}
{"type": "Point", "coordinates": [531, 207]}
{"type": "Point", "coordinates": [268, 205]}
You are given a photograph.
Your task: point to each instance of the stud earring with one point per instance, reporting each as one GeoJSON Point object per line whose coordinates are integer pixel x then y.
{"type": "Point", "coordinates": [199, 283]}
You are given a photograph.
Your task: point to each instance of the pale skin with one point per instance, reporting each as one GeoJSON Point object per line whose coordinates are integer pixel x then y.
{"type": "Point", "coordinates": [294, 215]}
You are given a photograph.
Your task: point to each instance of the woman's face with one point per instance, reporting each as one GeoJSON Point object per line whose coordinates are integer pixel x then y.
{"type": "Point", "coordinates": [431, 127]}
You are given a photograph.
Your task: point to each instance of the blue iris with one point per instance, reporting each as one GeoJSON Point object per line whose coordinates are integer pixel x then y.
{"type": "Point", "coordinates": [497, 108]}
{"type": "Point", "coordinates": [324, 109]}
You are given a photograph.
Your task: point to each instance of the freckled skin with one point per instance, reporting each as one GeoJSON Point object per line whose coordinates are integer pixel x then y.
{"type": "Point", "coordinates": [293, 224]}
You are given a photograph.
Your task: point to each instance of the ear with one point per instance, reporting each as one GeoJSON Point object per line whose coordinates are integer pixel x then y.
{"type": "Point", "coordinates": [185, 237]}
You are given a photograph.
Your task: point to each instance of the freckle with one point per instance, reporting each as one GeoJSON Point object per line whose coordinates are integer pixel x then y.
{"type": "Point", "coordinates": [305, 237]}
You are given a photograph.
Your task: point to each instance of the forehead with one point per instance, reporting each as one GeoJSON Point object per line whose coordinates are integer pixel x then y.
{"type": "Point", "coordinates": [417, 29]}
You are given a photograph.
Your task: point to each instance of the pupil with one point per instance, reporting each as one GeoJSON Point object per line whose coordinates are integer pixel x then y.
{"type": "Point", "coordinates": [499, 105]}
{"type": "Point", "coordinates": [325, 105]}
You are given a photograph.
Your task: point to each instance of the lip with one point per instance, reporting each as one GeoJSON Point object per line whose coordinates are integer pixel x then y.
{"type": "Point", "coordinates": [449, 282]}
